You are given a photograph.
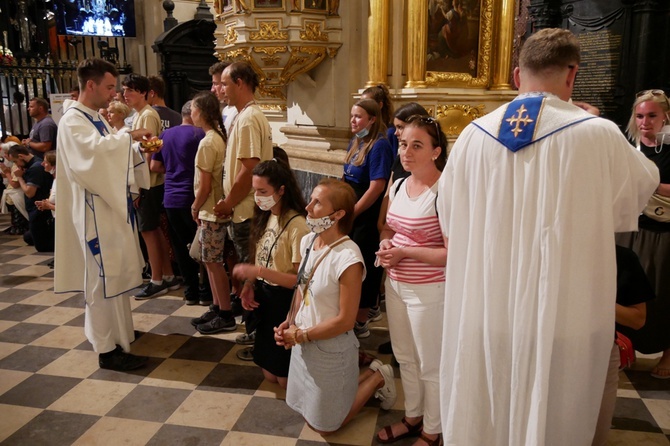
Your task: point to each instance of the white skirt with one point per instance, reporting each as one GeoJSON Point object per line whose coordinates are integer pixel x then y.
{"type": "Point", "coordinates": [323, 380]}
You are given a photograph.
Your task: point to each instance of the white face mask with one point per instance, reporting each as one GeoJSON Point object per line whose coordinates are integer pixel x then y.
{"type": "Point", "coordinates": [363, 133]}
{"type": "Point", "coordinates": [265, 203]}
{"type": "Point", "coordinates": [318, 225]}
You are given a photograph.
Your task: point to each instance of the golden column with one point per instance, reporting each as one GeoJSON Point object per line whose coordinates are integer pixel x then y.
{"type": "Point", "coordinates": [417, 13]}
{"type": "Point", "coordinates": [378, 42]}
{"type": "Point", "coordinates": [502, 64]}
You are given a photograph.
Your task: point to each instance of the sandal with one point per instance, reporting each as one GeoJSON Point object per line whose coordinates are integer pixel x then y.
{"type": "Point", "coordinates": [431, 442]}
{"type": "Point", "coordinates": [412, 431]}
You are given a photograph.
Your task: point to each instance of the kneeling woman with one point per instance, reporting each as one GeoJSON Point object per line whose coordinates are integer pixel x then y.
{"type": "Point", "coordinates": [323, 381]}
{"type": "Point", "coordinates": [276, 230]}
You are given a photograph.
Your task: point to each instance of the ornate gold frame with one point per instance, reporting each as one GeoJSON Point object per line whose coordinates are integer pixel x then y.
{"type": "Point", "coordinates": [418, 76]}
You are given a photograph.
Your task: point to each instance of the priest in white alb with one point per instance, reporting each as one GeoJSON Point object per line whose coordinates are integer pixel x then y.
{"type": "Point", "coordinates": [97, 248]}
{"type": "Point", "coordinates": [530, 200]}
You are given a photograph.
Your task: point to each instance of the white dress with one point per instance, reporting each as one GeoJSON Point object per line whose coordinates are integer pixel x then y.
{"type": "Point", "coordinates": [531, 273]}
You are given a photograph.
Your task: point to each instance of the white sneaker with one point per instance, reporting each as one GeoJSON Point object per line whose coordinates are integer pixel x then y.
{"type": "Point", "coordinates": [387, 393]}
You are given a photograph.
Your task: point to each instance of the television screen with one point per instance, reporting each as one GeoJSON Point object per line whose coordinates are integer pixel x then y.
{"type": "Point", "coordinates": [107, 18]}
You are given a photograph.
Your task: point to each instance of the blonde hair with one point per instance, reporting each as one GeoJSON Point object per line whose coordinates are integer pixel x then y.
{"type": "Point", "coordinates": [119, 107]}
{"type": "Point", "coordinates": [355, 156]}
{"type": "Point", "coordinates": [660, 98]}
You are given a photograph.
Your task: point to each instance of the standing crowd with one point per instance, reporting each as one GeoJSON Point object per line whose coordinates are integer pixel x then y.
{"type": "Point", "coordinates": [500, 266]}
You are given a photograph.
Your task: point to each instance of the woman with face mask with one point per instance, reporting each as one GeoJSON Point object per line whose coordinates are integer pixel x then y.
{"type": "Point", "coordinates": [277, 227]}
{"type": "Point", "coordinates": [651, 113]}
{"type": "Point", "coordinates": [324, 385]}
{"type": "Point", "coordinates": [367, 167]}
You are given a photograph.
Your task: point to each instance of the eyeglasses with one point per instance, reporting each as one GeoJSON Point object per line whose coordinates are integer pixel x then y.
{"type": "Point", "coordinates": [428, 120]}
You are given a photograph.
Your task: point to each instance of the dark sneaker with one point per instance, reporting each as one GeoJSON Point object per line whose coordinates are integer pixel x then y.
{"type": "Point", "coordinates": [121, 361]}
{"type": "Point", "coordinates": [245, 354]}
{"type": "Point", "coordinates": [361, 330]}
{"type": "Point", "coordinates": [149, 291]}
{"type": "Point", "coordinates": [190, 300]}
{"type": "Point", "coordinates": [173, 284]}
{"type": "Point", "coordinates": [374, 314]}
{"type": "Point", "coordinates": [205, 302]}
{"type": "Point", "coordinates": [246, 338]}
{"type": "Point", "coordinates": [206, 317]}
{"type": "Point", "coordinates": [217, 325]}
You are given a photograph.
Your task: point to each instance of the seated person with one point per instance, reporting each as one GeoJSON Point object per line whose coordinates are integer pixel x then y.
{"type": "Point", "coordinates": [13, 201]}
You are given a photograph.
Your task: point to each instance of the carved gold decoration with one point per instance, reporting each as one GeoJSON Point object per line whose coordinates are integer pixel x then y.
{"type": "Point", "coordinates": [302, 63]}
{"type": "Point", "coordinates": [273, 107]}
{"type": "Point", "coordinates": [230, 37]}
{"type": "Point", "coordinates": [270, 50]}
{"type": "Point", "coordinates": [453, 118]}
{"type": "Point", "coordinates": [268, 31]}
{"type": "Point", "coordinates": [332, 52]}
{"type": "Point", "coordinates": [417, 20]}
{"type": "Point", "coordinates": [313, 32]}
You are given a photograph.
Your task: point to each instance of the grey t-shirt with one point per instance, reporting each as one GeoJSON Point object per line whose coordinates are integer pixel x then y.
{"type": "Point", "coordinates": [43, 131]}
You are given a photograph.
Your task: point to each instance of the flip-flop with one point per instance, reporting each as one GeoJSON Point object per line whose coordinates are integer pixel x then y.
{"type": "Point", "coordinates": [655, 374]}
{"type": "Point", "coordinates": [412, 431]}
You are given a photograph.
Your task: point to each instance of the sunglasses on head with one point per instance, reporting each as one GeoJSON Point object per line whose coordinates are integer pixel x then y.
{"type": "Point", "coordinates": [651, 92]}
{"type": "Point", "coordinates": [428, 120]}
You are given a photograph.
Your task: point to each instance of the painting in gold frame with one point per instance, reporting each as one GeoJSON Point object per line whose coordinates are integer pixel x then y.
{"type": "Point", "coordinates": [459, 57]}
{"type": "Point", "coordinates": [315, 5]}
{"type": "Point", "coordinates": [269, 5]}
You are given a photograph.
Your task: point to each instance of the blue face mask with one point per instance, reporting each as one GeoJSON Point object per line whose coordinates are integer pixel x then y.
{"type": "Point", "coordinates": [363, 133]}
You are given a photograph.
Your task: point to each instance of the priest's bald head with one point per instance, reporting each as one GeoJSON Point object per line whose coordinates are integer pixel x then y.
{"type": "Point", "coordinates": [548, 62]}
{"type": "Point", "coordinates": [97, 83]}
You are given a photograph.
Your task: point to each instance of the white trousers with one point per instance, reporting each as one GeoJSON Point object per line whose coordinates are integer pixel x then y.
{"type": "Point", "coordinates": [415, 317]}
{"type": "Point", "coordinates": [609, 399]}
{"type": "Point", "coordinates": [108, 322]}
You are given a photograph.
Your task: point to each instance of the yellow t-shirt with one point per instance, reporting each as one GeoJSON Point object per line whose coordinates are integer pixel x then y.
{"type": "Point", "coordinates": [286, 252]}
{"type": "Point", "coordinates": [209, 158]}
{"type": "Point", "coordinates": [148, 119]}
{"type": "Point", "coordinates": [250, 137]}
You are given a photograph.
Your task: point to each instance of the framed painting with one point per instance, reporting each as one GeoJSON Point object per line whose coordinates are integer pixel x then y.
{"type": "Point", "coordinates": [455, 41]}
{"type": "Point", "coordinates": [315, 5]}
{"type": "Point", "coordinates": [269, 4]}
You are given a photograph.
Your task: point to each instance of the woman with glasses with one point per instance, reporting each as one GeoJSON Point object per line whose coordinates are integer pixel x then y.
{"type": "Point", "coordinates": [414, 254]}
{"type": "Point", "coordinates": [367, 167]}
{"type": "Point", "coordinates": [651, 112]}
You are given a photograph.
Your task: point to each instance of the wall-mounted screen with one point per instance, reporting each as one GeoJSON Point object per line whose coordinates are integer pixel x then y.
{"type": "Point", "coordinates": [106, 18]}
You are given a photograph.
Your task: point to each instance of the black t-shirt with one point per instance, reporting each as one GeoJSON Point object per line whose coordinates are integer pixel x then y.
{"type": "Point", "coordinates": [397, 170]}
{"type": "Point", "coordinates": [661, 157]}
{"type": "Point", "coordinates": [35, 175]}
{"type": "Point", "coordinates": [169, 117]}
{"type": "Point", "coordinates": [632, 285]}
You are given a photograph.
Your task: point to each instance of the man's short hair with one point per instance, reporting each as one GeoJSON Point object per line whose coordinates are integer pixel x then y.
{"type": "Point", "coordinates": [218, 68]}
{"type": "Point", "coordinates": [242, 70]}
{"type": "Point", "coordinates": [549, 49]}
{"type": "Point", "coordinates": [157, 84]}
{"type": "Point", "coordinates": [17, 150]}
{"type": "Point", "coordinates": [18, 96]}
{"type": "Point", "coordinates": [186, 109]}
{"type": "Point", "coordinates": [41, 102]}
{"type": "Point", "coordinates": [95, 70]}
{"type": "Point", "coordinates": [137, 82]}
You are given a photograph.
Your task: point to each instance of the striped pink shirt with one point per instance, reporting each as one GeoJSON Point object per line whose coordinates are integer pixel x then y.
{"type": "Point", "coordinates": [415, 223]}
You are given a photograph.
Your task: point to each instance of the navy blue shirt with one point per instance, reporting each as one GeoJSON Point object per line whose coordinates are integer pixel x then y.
{"type": "Point", "coordinates": [35, 175]}
{"type": "Point", "coordinates": [376, 166]}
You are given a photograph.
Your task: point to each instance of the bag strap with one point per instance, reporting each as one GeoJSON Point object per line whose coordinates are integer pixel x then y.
{"type": "Point", "coordinates": [267, 261]}
{"type": "Point", "coordinates": [293, 310]}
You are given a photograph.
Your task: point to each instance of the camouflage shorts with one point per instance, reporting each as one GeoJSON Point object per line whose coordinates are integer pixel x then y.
{"type": "Point", "coordinates": [212, 241]}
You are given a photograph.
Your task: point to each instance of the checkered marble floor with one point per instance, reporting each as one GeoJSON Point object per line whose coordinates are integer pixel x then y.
{"type": "Point", "coordinates": [194, 390]}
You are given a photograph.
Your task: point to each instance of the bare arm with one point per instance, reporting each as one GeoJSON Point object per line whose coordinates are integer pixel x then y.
{"type": "Point", "coordinates": [40, 146]}
{"type": "Point", "coordinates": [633, 316]}
{"type": "Point", "coordinates": [203, 192]}
{"type": "Point", "coordinates": [157, 166]}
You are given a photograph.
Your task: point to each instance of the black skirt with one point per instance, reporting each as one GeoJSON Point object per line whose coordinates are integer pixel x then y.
{"type": "Point", "coordinates": [274, 304]}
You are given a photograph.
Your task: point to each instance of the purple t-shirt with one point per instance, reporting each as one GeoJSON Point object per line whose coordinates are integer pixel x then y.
{"type": "Point", "coordinates": [180, 144]}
